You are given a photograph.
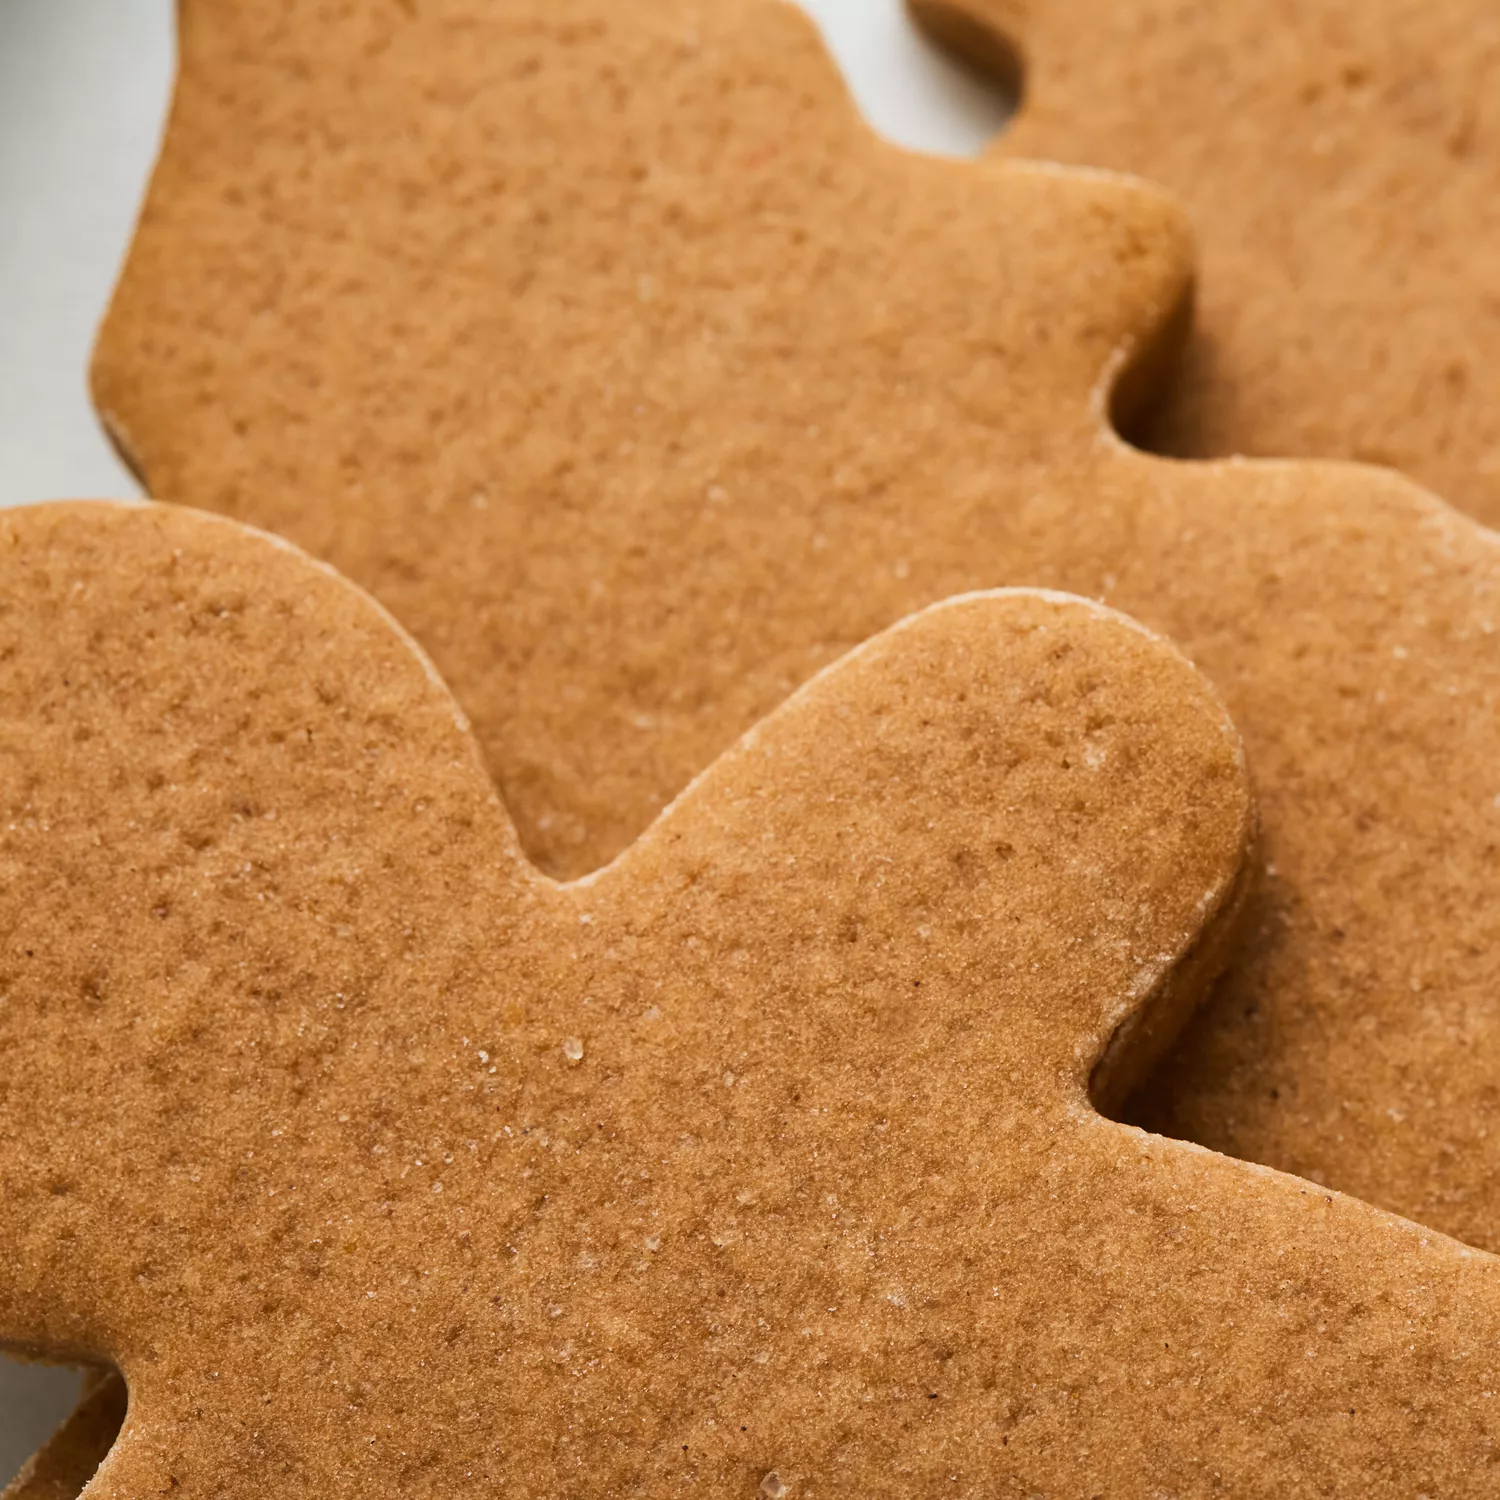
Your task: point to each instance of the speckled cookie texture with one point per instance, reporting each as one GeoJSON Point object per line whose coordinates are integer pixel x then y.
{"type": "Point", "coordinates": [1342, 165]}
{"type": "Point", "coordinates": [760, 1162]}
{"type": "Point", "coordinates": [607, 347]}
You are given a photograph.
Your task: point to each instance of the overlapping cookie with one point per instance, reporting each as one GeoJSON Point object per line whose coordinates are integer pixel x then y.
{"type": "Point", "coordinates": [608, 348]}
{"type": "Point", "coordinates": [1342, 165]}
{"type": "Point", "coordinates": [761, 1162]}
{"type": "Point", "coordinates": [70, 1459]}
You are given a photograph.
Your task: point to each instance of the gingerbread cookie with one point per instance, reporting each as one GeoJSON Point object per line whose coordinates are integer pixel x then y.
{"type": "Point", "coordinates": [1342, 165]}
{"type": "Point", "coordinates": [761, 1162]}
{"type": "Point", "coordinates": [638, 415]}
{"type": "Point", "coordinates": [508, 363]}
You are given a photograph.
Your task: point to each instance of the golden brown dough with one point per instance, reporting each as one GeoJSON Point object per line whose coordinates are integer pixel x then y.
{"type": "Point", "coordinates": [1341, 162]}
{"type": "Point", "coordinates": [612, 352]}
{"type": "Point", "coordinates": [376, 1159]}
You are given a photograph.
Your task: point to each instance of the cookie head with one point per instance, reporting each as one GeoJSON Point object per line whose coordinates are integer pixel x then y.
{"type": "Point", "coordinates": [518, 313]}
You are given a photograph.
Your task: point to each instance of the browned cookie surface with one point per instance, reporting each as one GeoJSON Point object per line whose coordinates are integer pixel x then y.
{"type": "Point", "coordinates": [760, 1162]}
{"type": "Point", "coordinates": [577, 332]}
{"type": "Point", "coordinates": [1341, 162]}
{"type": "Point", "coordinates": [606, 346]}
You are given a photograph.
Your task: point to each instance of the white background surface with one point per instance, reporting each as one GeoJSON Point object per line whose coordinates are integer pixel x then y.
{"type": "Point", "coordinates": [83, 92]}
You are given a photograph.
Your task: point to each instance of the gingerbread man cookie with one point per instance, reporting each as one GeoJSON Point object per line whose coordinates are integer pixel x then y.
{"type": "Point", "coordinates": [1342, 165]}
{"type": "Point", "coordinates": [638, 414]}
{"type": "Point", "coordinates": [761, 1162]}
{"type": "Point", "coordinates": [508, 362]}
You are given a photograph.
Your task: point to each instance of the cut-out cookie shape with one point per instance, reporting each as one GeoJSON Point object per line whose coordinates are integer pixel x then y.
{"type": "Point", "coordinates": [374, 1157]}
{"type": "Point", "coordinates": [638, 414]}
{"type": "Point", "coordinates": [543, 377]}
{"type": "Point", "coordinates": [1342, 165]}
